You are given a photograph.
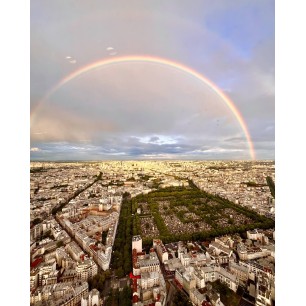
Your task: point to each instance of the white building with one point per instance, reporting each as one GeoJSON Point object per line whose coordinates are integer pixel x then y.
{"type": "Point", "coordinates": [199, 277]}
{"type": "Point", "coordinates": [160, 250]}
{"type": "Point", "coordinates": [263, 290]}
{"type": "Point", "coordinates": [149, 279]}
{"type": "Point", "coordinates": [104, 258]}
{"type": "Point", "coordinates": [93, 299]}
{"type": "Point", "coordinates": [86, 270]}
{"type": "Point", "coordinates": [196, 297]}
{"type": "Point", "coordinates": [240, 270]}
{"type": "Point", "coordinates": [74, 251]}
{"type": "Point", "coordinates": [137, 243]}
{"type": "Point", "coordinates": [185, 259]}
{"type": "Point", "coordinates": [185, 277]}
{"type": "Point", "coordinates": [149, 262]}
{"type": "Point", "coordinates": [218, 247]}
{"type": "Point", "coordinates": [254, 234]}
{"type": "Point", "coordinates": [60, 254]}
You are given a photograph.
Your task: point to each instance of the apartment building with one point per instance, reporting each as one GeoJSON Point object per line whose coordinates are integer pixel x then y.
{"type": "Point", "coordinates": [86, 270]}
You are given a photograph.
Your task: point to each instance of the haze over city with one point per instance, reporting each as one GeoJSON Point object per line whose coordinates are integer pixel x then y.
{"type": "Point", "coordinates": [152, 80]}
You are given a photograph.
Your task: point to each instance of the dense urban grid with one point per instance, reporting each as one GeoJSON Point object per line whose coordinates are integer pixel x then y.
{"type": "Point", "coordinates": [152, 233]}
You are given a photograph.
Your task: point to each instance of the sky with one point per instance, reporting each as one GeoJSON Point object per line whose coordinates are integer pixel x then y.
{"type": "Point", "coordinates": [144, 109]}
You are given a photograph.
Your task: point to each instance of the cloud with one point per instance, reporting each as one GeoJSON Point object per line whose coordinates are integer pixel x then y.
{"type": "Point", "coordinates": [133, 148]}
{"type": "Point", "coordinates": [61, 125]}
{"type": "Point", "coordinates": [154, 139]}
{"type": "Point", "coordinates": [218, 150]}
{"type": "Point", "coordinates": [125, 101]}
{"type": "Point", "coordinates": [230, 42]}
{"type": "Point", "coordinates": [35, 149]}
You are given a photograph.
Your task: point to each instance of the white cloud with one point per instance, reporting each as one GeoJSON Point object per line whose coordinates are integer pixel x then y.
{"type": "Point", "coordinates": [35, 150]}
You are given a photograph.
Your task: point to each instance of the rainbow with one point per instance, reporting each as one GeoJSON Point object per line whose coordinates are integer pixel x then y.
{"type": "Point", "coordinates": [157, 60]}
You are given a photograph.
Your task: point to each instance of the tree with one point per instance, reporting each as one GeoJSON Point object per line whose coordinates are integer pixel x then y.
{"type": "Point", "coordinates": [120, 272]}
{"type": "Point", "coordinates": [36, 221]}
{"type": "Point", "coordinates": [125, 297]}
{"type": "Point", "coordinates": [97, 282]}
{"type": "Point", "coordinates": [181, 299]}
{"type": "Point", "coordinates": [271, 185]}
{"type": "Point", "coordinates": [107, 274]}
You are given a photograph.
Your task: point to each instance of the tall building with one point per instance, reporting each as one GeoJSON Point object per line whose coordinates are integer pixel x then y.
{"type": "Point", "coordinates": [137, 243]}
{"type": "Point", "coordinates": [161, 250]}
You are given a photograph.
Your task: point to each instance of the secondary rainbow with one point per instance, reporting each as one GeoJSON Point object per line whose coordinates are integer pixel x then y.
{"type": "Point", "coordinates": [162, 61]}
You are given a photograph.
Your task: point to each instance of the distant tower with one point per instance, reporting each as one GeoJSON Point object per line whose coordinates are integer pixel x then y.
{"type": "Point", "coordinates": [137, 243]}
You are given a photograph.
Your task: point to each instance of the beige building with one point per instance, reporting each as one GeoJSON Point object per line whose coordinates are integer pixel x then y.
{"type": "Point", "coordinates": [161, 250]}
{"type": "Point", "coordinates": [93, 299]}
{"type": "Point", "coordinates": [86, 270]}
{"type": "Point", "coordinates": [196, 297]}
{"type": "Point", "coordinates": [74, 251]}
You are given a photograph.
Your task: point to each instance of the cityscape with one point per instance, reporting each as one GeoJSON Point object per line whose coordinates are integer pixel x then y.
{"type": "Point", "coordinates": [152, 233]}
{"type": "Point", "coordinates": [152, 155]}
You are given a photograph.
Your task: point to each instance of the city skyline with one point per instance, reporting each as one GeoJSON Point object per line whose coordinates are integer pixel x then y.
{"type": "Point", "coordinates": [207, 91]}
{"type": "Point", "coordinates": [137, 232]}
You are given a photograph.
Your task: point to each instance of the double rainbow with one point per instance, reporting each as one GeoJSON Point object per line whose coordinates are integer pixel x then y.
{"type": "Point", "coordinates": [162, 61]}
